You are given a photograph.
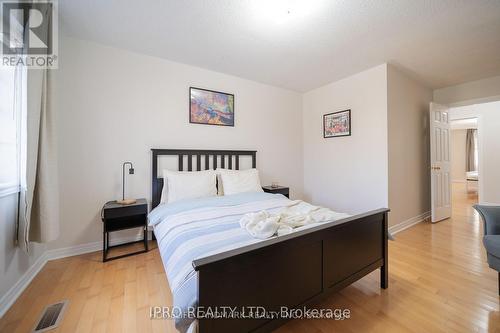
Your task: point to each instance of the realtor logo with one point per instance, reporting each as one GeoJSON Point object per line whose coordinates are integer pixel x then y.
{"type": "Point", "coordinates": [29, 33]}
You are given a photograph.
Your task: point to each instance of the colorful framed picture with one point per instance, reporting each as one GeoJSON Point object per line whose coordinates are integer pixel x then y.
{"type": "Point", "coordinates": [337, 124]}
{"type": "Point", "coordinates": [211, 107]}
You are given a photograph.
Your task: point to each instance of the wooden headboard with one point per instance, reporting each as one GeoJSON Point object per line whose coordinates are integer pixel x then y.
{"type": "Point", "coordinates": [157, 184]}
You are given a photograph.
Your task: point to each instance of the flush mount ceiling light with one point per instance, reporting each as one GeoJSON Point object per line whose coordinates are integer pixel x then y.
{"type": "Point", "coordinates": [283, 11]}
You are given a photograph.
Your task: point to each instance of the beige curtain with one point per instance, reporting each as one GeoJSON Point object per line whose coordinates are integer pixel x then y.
{"type": "Point", "coordinates": [470, 150]}
{"type": "Point", "coordinates": [40, 222]}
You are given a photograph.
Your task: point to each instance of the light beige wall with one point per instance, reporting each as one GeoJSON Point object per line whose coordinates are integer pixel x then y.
{"type": "Point", "coordinates": [458, 155]}
{"type": "Point", "coordinates": [485, 90]}
{"type": "Point", "coordinates": [114, 105]}
{"type": "Point", "coordinates": [386, 160]}
{"type": "Point", "coordinates": [408, 146]}
{"type": "Point", "coordinates": [348, 174]}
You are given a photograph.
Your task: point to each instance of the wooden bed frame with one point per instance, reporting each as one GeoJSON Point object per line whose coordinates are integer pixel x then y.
{"type": "Point", "coordinates": [291, 271]}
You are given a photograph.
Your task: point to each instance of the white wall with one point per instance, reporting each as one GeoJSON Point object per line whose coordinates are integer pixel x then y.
{"type": "Point", "coordinates": [485, 90]}
{"type": "Point", "coordinates": [348, 174]}
{"type": "Point", "coordinates": [14, 262]}
{"type": "Point", "coordinates": [488, 115]}
{"type": "Point", "coordinates": [457, 142]}
{"type": "Point", "coordinates": [408, 146]}
{"type": "Point", "coordinates": [114, 105]}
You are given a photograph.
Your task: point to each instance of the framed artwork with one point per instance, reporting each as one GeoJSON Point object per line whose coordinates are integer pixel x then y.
{"type": "Point", "coordinates": [211, 107]}
{"type": "Point", "coordinates": [337, 124]}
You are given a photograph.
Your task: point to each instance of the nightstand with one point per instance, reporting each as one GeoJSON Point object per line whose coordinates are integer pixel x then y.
{"type": "Point", "coordinates": [279, 189]}
{"type": "Point", "coordinates": [120, 217]}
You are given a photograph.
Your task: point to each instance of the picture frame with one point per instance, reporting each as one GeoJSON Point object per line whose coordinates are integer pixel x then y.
{"type": "Point", "coordinates": [337, 124]}
{"type": "Point", "coordinates": [211, 107]}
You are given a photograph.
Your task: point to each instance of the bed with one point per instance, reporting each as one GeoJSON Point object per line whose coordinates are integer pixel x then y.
{"type": "Point", "coordinates": [213, 264]}
{"type": "Point", "coordinates": [472, 178]}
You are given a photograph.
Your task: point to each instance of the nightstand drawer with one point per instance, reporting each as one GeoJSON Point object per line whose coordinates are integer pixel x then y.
{"type": "Point", "coordinates": [277, 190]}
{"type": "Point", "coordinates": [123, 211]}
{"type": "Point", "coordinates": [283, 191]}
{"type": "Point", "coordinates": [126, 222]}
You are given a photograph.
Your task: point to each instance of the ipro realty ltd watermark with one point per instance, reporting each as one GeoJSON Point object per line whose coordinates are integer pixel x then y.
{"type": "Point", "coordinates": [29, 35]}
{"type": "Point", "coordinates": [246, 312]}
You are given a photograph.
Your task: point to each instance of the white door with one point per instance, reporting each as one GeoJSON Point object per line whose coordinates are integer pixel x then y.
{"type": "Point", "coordinates": [440, 163]}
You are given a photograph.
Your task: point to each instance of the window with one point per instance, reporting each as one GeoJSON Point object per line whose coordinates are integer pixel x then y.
{"type": "Point", "coordinates": [11, 127]}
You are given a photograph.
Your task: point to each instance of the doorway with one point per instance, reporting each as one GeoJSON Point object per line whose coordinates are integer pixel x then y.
{"type": "Point", "coordinates": [464, 146]}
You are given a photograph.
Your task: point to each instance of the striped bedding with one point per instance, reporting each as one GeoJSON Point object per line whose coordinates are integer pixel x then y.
{"type": "Point", "coordinates": [192, 229]}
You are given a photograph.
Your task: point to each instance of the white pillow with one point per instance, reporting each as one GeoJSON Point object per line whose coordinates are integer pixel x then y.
{"type": "Point", "coordinates": [179, 185]}
{"type": "Point", "coordinates": [238, 181]}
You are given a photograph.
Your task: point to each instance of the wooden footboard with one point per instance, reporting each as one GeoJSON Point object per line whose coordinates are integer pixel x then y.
{"type": "Point", "coordinates": [290, 271]}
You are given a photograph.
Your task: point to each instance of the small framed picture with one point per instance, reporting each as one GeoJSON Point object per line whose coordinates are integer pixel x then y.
{"type": "Point", "coordinates": [211, 107]}
{"type": "Point", "coordinates": [337, 124]}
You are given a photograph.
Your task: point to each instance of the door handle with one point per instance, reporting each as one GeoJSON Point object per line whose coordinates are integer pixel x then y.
{"type": "Point", "coordinates": [436, 168]}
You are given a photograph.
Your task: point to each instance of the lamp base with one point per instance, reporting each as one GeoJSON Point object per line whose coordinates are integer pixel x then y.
{"type": "Point", "coordinates": [126, 201]}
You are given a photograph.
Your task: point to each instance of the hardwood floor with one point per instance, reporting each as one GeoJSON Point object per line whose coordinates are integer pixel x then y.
{"type": "Point", "coordinates": [439, 282]}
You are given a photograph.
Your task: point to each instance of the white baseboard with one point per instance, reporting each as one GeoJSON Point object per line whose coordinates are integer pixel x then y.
{"type": "Point", "coordinates": [409, 223]}
{"type": "Point", "coordinates": [16, 290]}
{"type": "Point", "coordinates": [87, 248]}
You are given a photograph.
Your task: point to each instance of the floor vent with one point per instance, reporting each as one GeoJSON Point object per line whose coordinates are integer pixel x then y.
{"type": "Point", "coordinates": [51, 316]}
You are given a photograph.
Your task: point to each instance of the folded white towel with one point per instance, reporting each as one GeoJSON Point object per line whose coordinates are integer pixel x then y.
{"type": "Point", "coordinates": [263, 225]}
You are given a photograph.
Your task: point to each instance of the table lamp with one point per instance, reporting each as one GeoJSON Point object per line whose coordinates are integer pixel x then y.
{"type": "Point", "coordinates": [130, 172]}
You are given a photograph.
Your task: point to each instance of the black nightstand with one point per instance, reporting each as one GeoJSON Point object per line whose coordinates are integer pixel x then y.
{"type": "Point", "coordinates": [119, 217]}
{"type": "Point", "coordinates": [280, 189]}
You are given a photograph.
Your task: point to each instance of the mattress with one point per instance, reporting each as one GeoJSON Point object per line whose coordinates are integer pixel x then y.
{"type": "Point", "coordinates": [472, 175]}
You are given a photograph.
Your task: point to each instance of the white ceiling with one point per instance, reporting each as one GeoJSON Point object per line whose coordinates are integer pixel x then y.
{"type": "Point", "coordinates": [440, 42]}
